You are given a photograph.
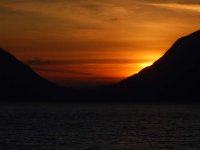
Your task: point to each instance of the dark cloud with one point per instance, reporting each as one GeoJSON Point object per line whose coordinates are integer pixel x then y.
{"type": "Point", "coordinates": [114, 19]}
{"type": "Point", "coordinates": [28, 15]}
{"type": "Point", "coordinates": [38, 62]}
{"type": "Point", "coordinates": [5, 10]}
{"type": "Point", "coordinates": [66, 71]}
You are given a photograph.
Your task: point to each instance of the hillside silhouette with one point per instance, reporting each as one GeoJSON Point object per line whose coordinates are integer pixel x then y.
{"type": "Point", "coordinates": [176, 75]}
{"type": "Point", "coordinates": [19, 82]}
{"type": "Point", "coordinates": [173, 77]}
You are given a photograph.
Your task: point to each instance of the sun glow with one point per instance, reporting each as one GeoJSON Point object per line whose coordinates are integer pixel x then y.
{"type": "Point", "coordinates": [95, 41]}
{"type": "Point", "coordinates": [145, 64]}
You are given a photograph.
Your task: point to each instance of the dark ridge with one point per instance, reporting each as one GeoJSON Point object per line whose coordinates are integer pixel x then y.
{"type": "Point", "coordinates": [19, 82]}
{"type": "Point", "coordinates": [173, 77]}
{"type": "Point", "coordinates": [5, 55]}
{"type": "Point", "coordinates": [176, 75]}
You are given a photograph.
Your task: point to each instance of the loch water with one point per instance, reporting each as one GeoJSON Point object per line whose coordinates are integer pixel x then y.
{"type": "Point", "coordinates": [99, 126]}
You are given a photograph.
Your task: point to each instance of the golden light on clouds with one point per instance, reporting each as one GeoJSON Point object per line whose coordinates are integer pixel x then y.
{"type": "Point", "coordinates": [93, 41]}
{"type": "Point", "coordinates": [189, 7]}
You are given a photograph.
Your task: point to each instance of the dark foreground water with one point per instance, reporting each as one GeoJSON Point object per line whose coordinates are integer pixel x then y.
{"type": "Point", "coordinates": [100, 126]}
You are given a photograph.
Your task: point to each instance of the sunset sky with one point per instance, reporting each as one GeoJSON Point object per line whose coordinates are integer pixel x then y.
{"type": "Point", "coordinates": [90, 42]}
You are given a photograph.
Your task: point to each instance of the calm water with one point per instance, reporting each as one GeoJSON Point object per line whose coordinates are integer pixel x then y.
{"type": "Point", "coordinates": [100, 127]}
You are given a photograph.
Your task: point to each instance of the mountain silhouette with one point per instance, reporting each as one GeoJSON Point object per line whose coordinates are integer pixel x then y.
{"type": "Point", "coordinates": [19, 82]}
{"type": "Point", "coordinates": [175, 76]}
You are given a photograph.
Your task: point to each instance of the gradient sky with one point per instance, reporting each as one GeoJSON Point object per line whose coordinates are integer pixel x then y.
{"type": "Point", "coordinates": [89, 42]}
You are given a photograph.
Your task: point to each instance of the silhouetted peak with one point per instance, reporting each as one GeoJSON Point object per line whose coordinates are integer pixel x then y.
{"type": "Point", "coordinates": [189, 40]}
{"type": "Point", "coordinates": [5, 55]}
{"type": "Point", "coordinates": [183, 55]}
{"type": "Point", "coordinates": [195, 34]}
{"type": "Point", "coordinates": [184, 50]}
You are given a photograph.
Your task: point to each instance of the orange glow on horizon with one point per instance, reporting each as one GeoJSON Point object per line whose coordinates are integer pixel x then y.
{"type": "Point", "coordinates": [97, 42]}
{"type": "Point", "coordinates": [145, 64]}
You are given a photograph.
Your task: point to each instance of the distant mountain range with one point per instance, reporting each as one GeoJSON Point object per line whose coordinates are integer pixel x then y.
{"type": "Point", "coordinates": [175, 76]}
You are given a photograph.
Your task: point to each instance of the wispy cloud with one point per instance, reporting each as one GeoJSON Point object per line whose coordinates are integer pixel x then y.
{"type": "Point", "coordinates": [41, 62]}
{"type": "Point", "coordinates": [93, 37]}
{"type": "Point", "coordinates": [178, 6]}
